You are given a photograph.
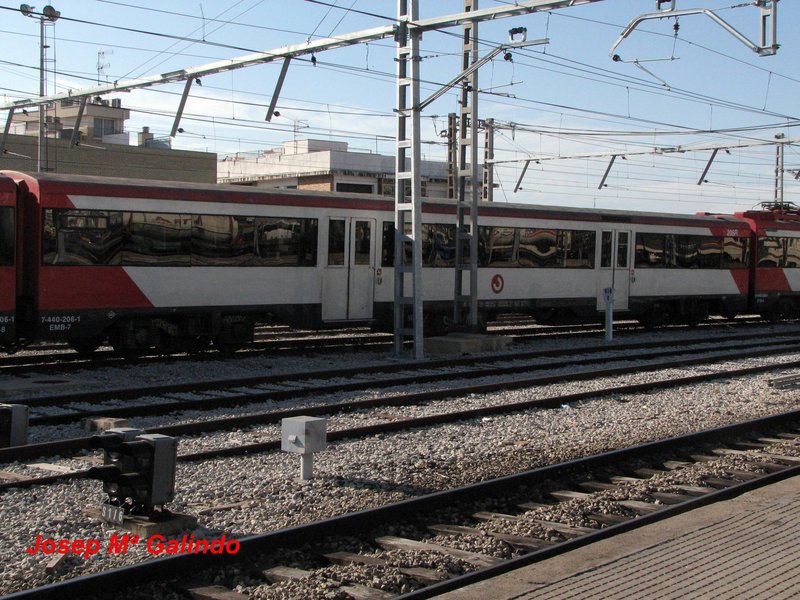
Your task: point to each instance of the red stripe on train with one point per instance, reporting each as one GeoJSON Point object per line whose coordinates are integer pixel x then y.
{"type": "Point", "coordinates": [771, 280]}
{"type": "Point", "coordinates": [74, 288]}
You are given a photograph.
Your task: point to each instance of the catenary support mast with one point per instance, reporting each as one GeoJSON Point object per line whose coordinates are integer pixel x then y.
{"type": "Point", "coordinates": [408, 294]}
{"type": "Point", "coordinates": [465, 305]}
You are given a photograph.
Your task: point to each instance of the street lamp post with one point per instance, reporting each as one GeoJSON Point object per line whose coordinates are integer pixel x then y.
{"type": "Point", "coordinates": [48, 14]}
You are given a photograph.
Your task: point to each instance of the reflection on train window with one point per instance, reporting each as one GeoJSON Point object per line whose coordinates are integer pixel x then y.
{"type": "Point", "coordinates": [6, 236]}
{"type": "Point", "coordinates": [222, 240]}
{"type": "Point", "coordinates": [622, 249]}
{"type": "Point", "coordinates": [81, 237]}
{"type": "Point", "coordinates": [500, 247]}
{"type": "Point", "coordinates": [439, 245]}
{"type": "Point", "coordinates": [363, 243]}
{"type": "Point", "coordinates": [770, 252]}
{"type": "Point", "coordinates": [74, 237]}
{"type": "Point", "coordinates": [667, 250]}
{"type": "Point", "coordinates": [163, 239]}
{"type": "Point", "coordinates": [336, 233]}
{"type": "Point", "coordinates": [649, 250]}
{"type": "Point", "coordinates": [387, 244]}
{"type": "Point", "coordinates": [605, 249]}
{"type": "Point", "coordinates": [285, 241]}
{"type": "Point", "coordinates": [783, 252]}
{"type": "Point", "coordinates": [578, 249]}
{"type": "Point", "coordinates": [792, 256]}
{"type": "Point", "coordinates": [734, 253]}
{"type": "Point", "coordinates": [539, 248]}
{"type": "Point", "coordinates": [260, 241]}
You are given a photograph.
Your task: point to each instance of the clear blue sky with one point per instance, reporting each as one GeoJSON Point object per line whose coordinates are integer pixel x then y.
{"type": "Point", "coordinates": [564, 99]}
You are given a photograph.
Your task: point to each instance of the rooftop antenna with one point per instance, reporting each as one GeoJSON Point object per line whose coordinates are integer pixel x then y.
{"type": "Point", "coordinates": [102, 66]}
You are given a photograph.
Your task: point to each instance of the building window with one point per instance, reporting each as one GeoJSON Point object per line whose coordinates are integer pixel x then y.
{"type": "Point", "coordinates": [104, 127]}
{"type": "Point", "coordinates": [355, 188]}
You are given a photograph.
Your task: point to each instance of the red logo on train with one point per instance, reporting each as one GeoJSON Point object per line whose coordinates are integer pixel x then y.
{"type": "Point", "coordinates": [497, 284]}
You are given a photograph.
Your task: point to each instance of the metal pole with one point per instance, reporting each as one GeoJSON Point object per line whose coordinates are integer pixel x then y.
{"type": "Point", "coordinates": [408, 185]}
{"type": "Point", "coordinates": [41, 160]}
{"type": "Point", "coordinates": [467, 178]}
{"type": "Point", "coordinates": [488, 165]}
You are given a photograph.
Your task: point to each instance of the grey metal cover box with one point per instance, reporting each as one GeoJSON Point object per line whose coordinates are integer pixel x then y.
{"type": "Point", "coordinates": [165, 457]}
{"type": "Point", "coordinates": [14, 425]}
{"type": "Point", "coordinates": [304, 435]}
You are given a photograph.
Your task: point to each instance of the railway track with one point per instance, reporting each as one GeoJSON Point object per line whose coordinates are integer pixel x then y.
{"type": "Point", "coordinates": [438, 542]}
{"type": "Point", "coordinates": [282, 340]}
{"type": "Point", "coordinates": [340, 410]}
{"type": "Point", "coordinates": [370, 428]}
{"type": "Point", "coordinates": [383, 375]}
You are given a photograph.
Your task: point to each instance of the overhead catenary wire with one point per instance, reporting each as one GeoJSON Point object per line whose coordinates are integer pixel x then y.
{"type": "Point", "coordinates": [679, 128]}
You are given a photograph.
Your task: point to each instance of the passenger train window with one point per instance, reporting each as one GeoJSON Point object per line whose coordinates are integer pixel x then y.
{"type": "Point", "coordinates": [735, 253]}
{"type": "Point", "coordinates": [81, 237]}
{"type": "Point", "coordinates": [605, 249]}
{"type": "Point", "coordinates": [163, 239]}
{"type": "Point", "coordinates": [501, 247]}
{"type": "Point", "coordinates": [387, 244]}
{"type": "Point", "coordinates": [439, 245]}
{"type": "Point", "coordinates": [363, 243]}
{"type": "Point", "coordinates": [222, 240]}
{"type": "Point", "coordinates": [649, 250]}
{"type": "Point", "coordinates": [792, 257]}
{"type": "Point", "coordinates": [75, 237]}
{"type": "Point", "coordinates": [6, 236]}
{"type": "Point", "coordinates": [770, 252]}
{"type": "Point", "coordinates": [686, 251]}
{"type": "Point", "coordinates": [709, 252]}
{"type": "Point", "coordinates": [336, 236]}
{"type": "Point", "coordinates": [657, 250]}
{"type": "Point", "coordinates": [282, 241]}
{"type": "Point", "coordinates": [622, 249]}
{"type": "Point", "coordinates": [579, 249]}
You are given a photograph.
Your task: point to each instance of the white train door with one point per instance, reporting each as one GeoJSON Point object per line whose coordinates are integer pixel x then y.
{"type": "Point", "coordinates": [615, 268]}
{"type": "Point", "coordinates": [349, 277]}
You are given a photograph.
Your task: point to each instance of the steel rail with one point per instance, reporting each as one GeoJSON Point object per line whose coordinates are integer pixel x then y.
{"type": "Point", "coordinates": [77, 444]}
{"type": "Point", "coordinates": [131, 393]}
{"type": "Point", "coordinates": [317, 390]}
{"type": "Point", "coordinates": [170, 568]}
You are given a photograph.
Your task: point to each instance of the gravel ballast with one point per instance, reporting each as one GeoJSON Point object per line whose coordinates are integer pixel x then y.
{"type": "Point", "coordinates": [245, 495]}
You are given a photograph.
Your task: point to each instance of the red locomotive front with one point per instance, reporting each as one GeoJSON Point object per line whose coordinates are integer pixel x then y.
{"type": "Point", "coordinates": [775, 273]}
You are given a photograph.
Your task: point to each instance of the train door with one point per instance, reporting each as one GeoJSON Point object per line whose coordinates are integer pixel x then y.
{"type": "Point", "coordinates": [615, 268]}
{"type": "Point", "coordinates": [349, 278]}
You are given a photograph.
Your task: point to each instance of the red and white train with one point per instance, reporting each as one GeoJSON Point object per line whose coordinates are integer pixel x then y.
{"type": "Point", "coordinates": [175, 266]}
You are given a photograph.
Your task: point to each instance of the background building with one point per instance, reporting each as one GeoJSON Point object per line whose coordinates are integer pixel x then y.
{"type": "Point", "coordinates": [325, 166]}
{"type": "Point", "coordinates": [103, 148]}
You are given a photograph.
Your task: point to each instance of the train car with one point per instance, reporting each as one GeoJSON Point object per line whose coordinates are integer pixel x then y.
{"type": "Point", "coordinates": [555, 263]}
{"type": "Point", "coordinates": [177, 266]}
{"type": "Point", "coordinates": [166, 265]}
{"type": "Point", "coordinates": [775, 272]}
{"type": "Point", "coordinates": [8, 260]}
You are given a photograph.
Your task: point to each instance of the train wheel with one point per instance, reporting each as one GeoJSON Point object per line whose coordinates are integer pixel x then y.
{"type": "Point", "coordinates": [86, 346]}
{"type": "Point", "coordinates": [694, 312]}
{"type": "Point", "coordinates": [656, 315]}
{"type": "Point", "coordinates": [234, 336]}
{"type": "Point", "coordinates": [132, 340]}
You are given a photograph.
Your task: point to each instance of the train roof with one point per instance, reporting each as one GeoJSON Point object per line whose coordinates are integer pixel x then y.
{"type": "Point", "coordinates": [774, 216]}
{"type": "Point", "coordinates": [176, 190]}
